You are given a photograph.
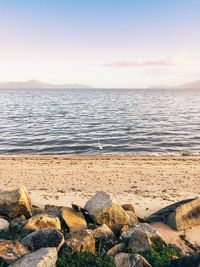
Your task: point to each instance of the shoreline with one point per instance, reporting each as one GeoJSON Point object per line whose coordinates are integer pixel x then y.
{"type": "Point", "coordinates": [148, 182]}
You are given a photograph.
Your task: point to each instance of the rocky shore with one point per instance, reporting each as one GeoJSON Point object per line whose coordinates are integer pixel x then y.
{"type": "Point", "coordinates": [102, 233]}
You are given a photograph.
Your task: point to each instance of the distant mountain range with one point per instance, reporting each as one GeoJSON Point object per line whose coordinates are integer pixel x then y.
{"type": "Point", "coordinates": [191, 85]}
{"type": "Point", "coordinates": [34, 84]}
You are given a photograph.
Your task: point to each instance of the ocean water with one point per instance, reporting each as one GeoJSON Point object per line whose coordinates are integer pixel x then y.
{"type": "Point", "coordinates": [141, 122]}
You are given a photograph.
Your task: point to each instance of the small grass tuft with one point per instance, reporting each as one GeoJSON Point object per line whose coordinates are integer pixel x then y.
{"type": "Point", "coordinates": [161, 254]}
{"type": "Point", "coordinates": [84, 260]}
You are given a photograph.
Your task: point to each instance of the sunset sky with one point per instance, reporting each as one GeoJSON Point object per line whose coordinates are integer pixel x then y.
{"type": "Point", "coordinates": [105, 43]}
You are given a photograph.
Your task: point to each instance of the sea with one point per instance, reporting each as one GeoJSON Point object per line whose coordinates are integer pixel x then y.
{"type": "Point", "coordinates": [82, 121]}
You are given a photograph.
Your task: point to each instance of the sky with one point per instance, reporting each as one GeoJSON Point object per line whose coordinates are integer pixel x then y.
{"type": "Point", "coordinates": [102, 43]}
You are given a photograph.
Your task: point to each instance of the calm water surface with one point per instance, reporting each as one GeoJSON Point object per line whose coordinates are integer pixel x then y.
{"type": "Point", "coordinates": [125, 121]}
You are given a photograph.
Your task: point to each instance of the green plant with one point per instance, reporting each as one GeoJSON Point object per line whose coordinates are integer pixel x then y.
{"type": "Point", "coordinates": [83, 260]}
{"type": "Point", "coordinates": [161, 254]}
{"type": "Point", "coordinates": [2, 263]}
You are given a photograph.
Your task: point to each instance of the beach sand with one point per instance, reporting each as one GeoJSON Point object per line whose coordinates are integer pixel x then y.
{"type": "Point", "coordinates": [149, 183]}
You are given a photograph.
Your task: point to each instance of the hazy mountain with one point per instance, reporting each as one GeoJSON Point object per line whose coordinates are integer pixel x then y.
{"type": "Point", "coordinates": [159, 87]}
{"type": "Point", "coordinates": [191, 85]}
{"type": "Point", "coordinates": [34, 84]}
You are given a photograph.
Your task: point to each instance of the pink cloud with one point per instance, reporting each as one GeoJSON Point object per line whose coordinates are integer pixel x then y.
{"type": "Point", "coordinates": [133, 64]}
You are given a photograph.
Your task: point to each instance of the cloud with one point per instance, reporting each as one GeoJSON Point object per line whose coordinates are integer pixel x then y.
{"type": "Point", "coordinates": [135, 64]}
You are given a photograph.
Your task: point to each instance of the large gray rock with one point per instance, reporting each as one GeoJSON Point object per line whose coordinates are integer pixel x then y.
{"type": "Point", "coordinates": [140, 242]}
{"type": "Point", "coordinates": [11, 250]}
{"type": "Point", "coordinates": [130, 260]}
{"type": "Point", "coordinates": [127, 231]}
{"type": "Point", "coordinates": [49, 237]}
{"type": "Point", "coordinates": [99, 201]}
{"type": "Point", "coordinates": [142, 238]}
{"type": "Point", "coordinates": [44, 257]}
{"type": "Point", "coordinates": [180, 215]}
{"type": "Point", "coordinates": [15, 203]}
{"type": "Point", "coordinates": [4, 224]}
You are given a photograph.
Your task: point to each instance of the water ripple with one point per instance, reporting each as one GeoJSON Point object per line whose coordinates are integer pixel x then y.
{"type": "Point", "coordinates": [125, 121]}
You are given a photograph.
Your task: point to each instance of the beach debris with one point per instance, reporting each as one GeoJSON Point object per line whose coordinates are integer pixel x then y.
{"type": "Point", "coordinates": [41, 258]}
{"type": "Point", "coordinates": [49, 237]}
{"type": "Point", "coordinates": [103, 232]}
{"type": "Point", "coordinates": [14, 203]}
{"type": "Point", "coordinates": [99, 201]}
{"type": "Point", "coordinates": [130, 260]}
{"type": "Point", "coordinates": [41, 221]}
{"type": "Point", "coordinates": [180, 216]}
{"type": "Point", "coordinates": [82, 241]}
{"type": "Point", "coordinates": [116, 249]}
{"type": "Point", "coordinates": [4, 224]}
{"type": "Point", "coordinates": [11, 250]}
{"type": "Point", "coordinates": [114, 216]}
{"type": "Point", "coordinates": [74, 220]}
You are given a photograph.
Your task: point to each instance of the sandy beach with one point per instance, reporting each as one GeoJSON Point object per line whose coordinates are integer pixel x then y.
{"type": "Point", "coordinates": [147, 182]}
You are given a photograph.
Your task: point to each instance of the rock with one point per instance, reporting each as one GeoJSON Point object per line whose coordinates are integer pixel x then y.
{"type": "Point", "coordinates": [11, 250]}
{"type": "Point", "coordinates": [127, 231]}
{"type": "Point", "coordinates": [140, 242]}
{"type": "Point", "coordinates": [133, 219]}
{"type": "Point", "coordinates": [74, 220]}
{"type": "Point", "coordinates": [128, 207]}
{"type": "Point", "coordinates": [15, 203]}
{"type": "Point", "coordinates": [37, 210]}
{"type": "Point", "coordinates": [4, 224]}
{"type": "Point", "coordinates": [116, 249]}
{"type": "Point", "coordinates": [188, 261]}
{"type": "Point", "coordinates": [17, 223]}
{"type": "Point", "coordinates": [142, 236]}
{"type": "Point", "coordinates": [82, 241]}
{"type": "Point", "coordinates": [49, 237]}
{"type": "Point", "coordinates": [88, 217]}
{"type": "Point", "coordinates": [41, 221]}
{"type": "Point", "coordinates": [99, 201]}
{"type": "Point", "coordinates": [113, 216]}
{"type": "Point", "coordinates": [103, 232]}
{"type": "Point", "coordinates": [185, 216]}
{"type": "Point", "coordinates": [130, 260]}
{"type": "Point", "coordinates": [180, 216]}
{"type": "Point", "coordinates": [44, 257]}
{"type": "Point", "coordinates": [54, 210]}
